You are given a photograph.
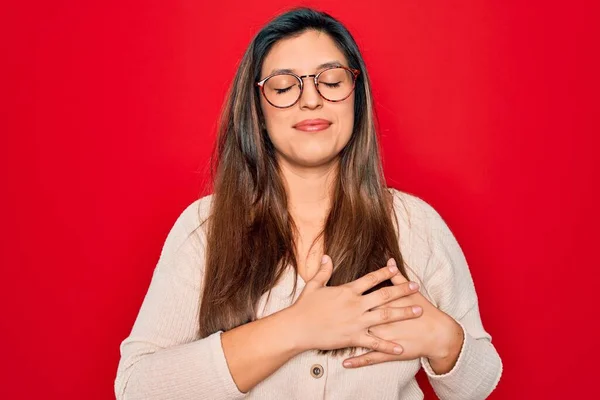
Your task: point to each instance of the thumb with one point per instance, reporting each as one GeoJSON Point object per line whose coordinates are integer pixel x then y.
{"type": "Point", "coordinates": [398, 278]}
{"type": "Point", "coordinates": [324, 273]}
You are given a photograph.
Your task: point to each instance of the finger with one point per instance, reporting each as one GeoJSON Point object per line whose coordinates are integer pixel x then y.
{"type": "Point", "coordinates": [370, 358]}
{"type": "Point", "coordinates": [324, 273]}
{"type": "Point", "coordinates": [387, 294]}
{"type": "Point", "coordinates": [372, 279]}
{"type": "Point", "coordinates": [380, 345]}
{"type": "Point", "coordinates": [398, 278]}
{"type": "Point", "coordinates": [391, 314]}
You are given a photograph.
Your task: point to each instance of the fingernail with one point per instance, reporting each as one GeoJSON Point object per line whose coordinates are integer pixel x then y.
{"type": "Point", "coordinates": [347, 364]}
{"type": "Point", "coordinates": [398, 350]}
{"type": "Point", "coordinates": [391, 262]}
{"type": "Point", "coordinates": [413, 285]}
{"type": "Point", "coordinates": [393, 269]}
{"type": "Point", "coordinates": [324, 259]}
{"type": "Point", "coordinates": [416, 309]}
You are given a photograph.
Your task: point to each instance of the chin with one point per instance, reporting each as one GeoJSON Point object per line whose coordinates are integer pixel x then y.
{"type": "Point", "coordinates": [314, 161]}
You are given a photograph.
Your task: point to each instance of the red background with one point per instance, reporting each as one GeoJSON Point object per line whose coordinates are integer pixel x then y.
{"type": "Point", "coordinates": [109, 116]}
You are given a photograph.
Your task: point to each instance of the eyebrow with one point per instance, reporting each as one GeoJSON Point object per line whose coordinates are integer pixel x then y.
{"type": "Point", "coordinates": [322, 66]}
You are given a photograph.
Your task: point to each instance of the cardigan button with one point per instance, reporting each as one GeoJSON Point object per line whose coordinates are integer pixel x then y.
{"type": "Point", "coordinates": [316, 371]}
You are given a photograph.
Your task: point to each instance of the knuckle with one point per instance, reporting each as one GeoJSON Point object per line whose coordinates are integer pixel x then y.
{"type": "Point", "coordinates": [367, 361]}
{"type": "Point", "coordinates": [385, 293]}
{"type": "Point", "coordinates": [384, 314]}
{"type": "Point", "coordinates": [372, 278]}
{"type": "Point", "coordinates": [375, 344]}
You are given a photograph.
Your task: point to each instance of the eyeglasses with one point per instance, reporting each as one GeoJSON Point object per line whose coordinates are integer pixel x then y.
{"type": "Point", "coordinates": [283, 90]}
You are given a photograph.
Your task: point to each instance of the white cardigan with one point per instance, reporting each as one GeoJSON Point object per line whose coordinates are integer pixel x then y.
{"type": "Point", "coordinates": [163, 358]}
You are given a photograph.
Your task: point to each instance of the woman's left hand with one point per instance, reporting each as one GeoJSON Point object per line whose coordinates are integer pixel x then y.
{"type": "Point", "coordinates": [434, 334]}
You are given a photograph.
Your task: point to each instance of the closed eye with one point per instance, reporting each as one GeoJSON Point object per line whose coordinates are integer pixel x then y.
{"type": "Point", "coordinates": [280, 91]}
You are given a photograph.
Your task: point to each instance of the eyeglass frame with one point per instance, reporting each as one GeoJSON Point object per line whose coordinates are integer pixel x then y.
{"type": "Point", "coordinates": [300, 78]}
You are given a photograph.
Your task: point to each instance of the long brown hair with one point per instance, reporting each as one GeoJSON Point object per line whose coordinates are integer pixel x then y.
{"type": "Point", "coordinates": [250, 234]}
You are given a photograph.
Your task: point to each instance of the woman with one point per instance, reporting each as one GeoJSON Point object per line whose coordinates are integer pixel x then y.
{"type": "Point", "coordinates": [300, 202]}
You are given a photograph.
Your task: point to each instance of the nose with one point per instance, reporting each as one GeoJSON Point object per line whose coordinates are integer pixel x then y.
{"type": "Point", "coordinates": [310, 97]}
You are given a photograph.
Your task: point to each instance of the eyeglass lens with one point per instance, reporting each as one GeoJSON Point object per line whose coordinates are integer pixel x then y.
{"type": "Point", "coordinates": [334, 84]}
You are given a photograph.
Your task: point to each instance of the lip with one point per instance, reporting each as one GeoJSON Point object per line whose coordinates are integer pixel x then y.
{"type": "Point", "coordinates": [313, 125]}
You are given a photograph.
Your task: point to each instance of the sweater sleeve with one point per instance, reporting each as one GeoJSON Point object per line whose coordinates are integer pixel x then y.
{"type": "Point", "coordinates": [449, 283]}
{"type": "Point", "coordinates": [163, 357]}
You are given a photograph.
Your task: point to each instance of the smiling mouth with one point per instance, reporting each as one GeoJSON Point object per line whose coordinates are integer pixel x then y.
{"type": "Point", "coordinates": [313, 127]}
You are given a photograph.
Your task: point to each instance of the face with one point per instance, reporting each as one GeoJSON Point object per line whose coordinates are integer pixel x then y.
{"type": "Point", "coordinates": [294, 146]}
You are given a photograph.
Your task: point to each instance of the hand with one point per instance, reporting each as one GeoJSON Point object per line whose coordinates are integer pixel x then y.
{"type": "Point", "coordinates": [333, 317]}
{"type": "Point", "coordinates": [434, 334]}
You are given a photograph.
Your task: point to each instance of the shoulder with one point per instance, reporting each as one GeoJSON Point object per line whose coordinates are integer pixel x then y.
{"type": "Point", "coordinates": [190, 220]}
{"type": "Point", "coordinates": [416, 215]}
{"type": "Point", "coordinates": [183, 250]}
{"type": "Point", "coordinates": [194, 214]}
{"type": "Point", "coordinates": [424, 237]}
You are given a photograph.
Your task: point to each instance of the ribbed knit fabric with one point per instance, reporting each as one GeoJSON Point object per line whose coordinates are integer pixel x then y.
{"type": "Point", "coordinates": [163, 358]}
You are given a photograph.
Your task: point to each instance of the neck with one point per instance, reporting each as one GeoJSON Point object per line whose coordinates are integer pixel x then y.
{"type": "Point", "coordinates": [309, 190]}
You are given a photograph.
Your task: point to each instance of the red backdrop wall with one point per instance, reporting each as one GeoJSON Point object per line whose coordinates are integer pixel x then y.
{"type": "Point", "coordinates": [109, 116]}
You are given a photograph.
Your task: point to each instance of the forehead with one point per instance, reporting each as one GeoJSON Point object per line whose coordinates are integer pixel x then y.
{"type": "Point", "coordinates": [302, 54]}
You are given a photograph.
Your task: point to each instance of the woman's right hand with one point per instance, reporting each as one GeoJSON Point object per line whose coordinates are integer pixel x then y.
{"type": "Point", "coordinates": [333, 317]}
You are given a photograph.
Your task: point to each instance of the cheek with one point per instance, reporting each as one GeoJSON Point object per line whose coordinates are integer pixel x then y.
{"type": "Point", "coordinates": [347, 119]}
{"type": "Point", "coordinates": [276, 125]}
{"type": "Point", "coordinates": [274, 118]}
